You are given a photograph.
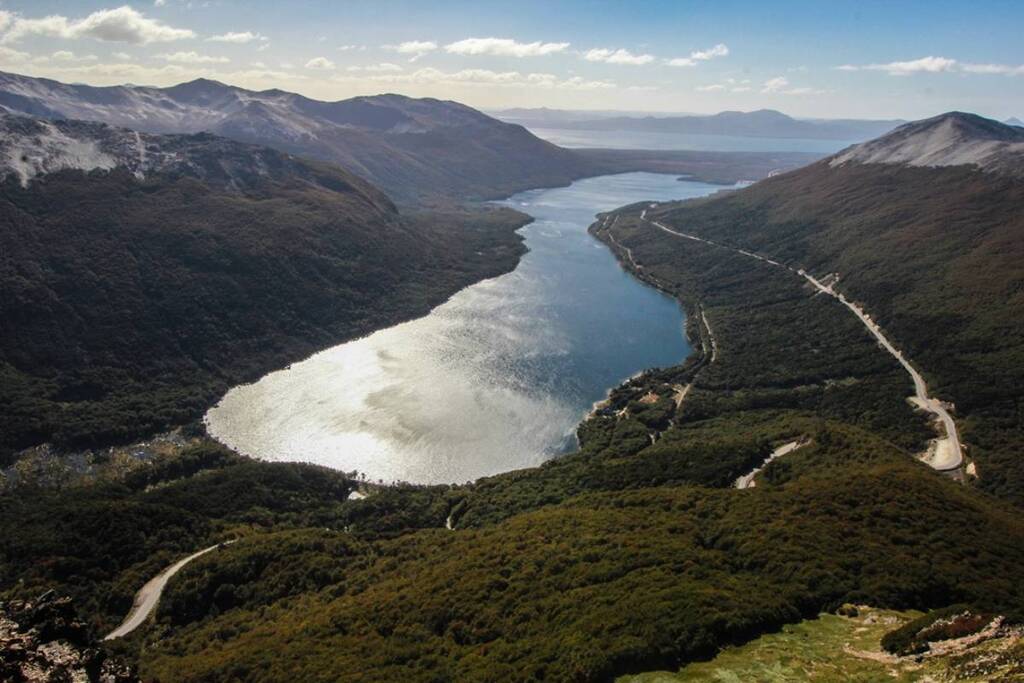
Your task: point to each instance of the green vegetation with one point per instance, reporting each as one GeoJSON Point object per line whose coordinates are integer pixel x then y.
{"type": "Point", "coordinates": [100, 543]}
{"type": "Point", "coordinates": [936, 256]}
{"type": "Point", "coordinates": [130, 306]}
{"type": "Point", "coordinates": [601, 584]}
{"type": "Point", "coordinates": [845, 648]}
{"type": "Point", "coordinates": [634, 554]}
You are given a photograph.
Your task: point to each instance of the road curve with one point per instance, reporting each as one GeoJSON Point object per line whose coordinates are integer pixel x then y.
{"type": "Point", "coordinates": [149, 595]}
{"type": "Point", "coordinates": [747, 480]}
{"type": "Point", "coordinates": [946, 453]}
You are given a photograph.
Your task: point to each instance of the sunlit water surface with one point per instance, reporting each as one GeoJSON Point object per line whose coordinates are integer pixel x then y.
{"type": "Point", "coordinates": [495, 379]}
{"type": "Point", "coordinates": [635, 139]}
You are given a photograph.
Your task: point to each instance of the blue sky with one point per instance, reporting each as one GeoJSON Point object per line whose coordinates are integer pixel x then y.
{"type": "Point", "coordinates": [830, 58]}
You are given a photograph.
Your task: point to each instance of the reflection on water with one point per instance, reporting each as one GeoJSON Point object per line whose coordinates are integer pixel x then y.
{"type": "Point", "coordinates": [493, 380]}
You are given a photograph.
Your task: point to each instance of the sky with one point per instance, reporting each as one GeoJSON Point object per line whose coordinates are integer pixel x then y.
{"type": "Point", "coordinates": [827, 58]}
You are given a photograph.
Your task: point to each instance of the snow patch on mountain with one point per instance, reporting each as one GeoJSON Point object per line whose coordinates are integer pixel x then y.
{"type": "Point", "coordinates": [31, 148]}
{"type": "Point", "coordinates": [953, 139]}
{"type": "Point", "coordinates": [46, 149]}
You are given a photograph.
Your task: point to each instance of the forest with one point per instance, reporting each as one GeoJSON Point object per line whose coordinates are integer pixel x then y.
{"type": "Point", "coordinates": [132, 314]}
{"type": "Point", "coordinates": [936, 256]}
{"type": "Point", "coordinates": [633, 554]}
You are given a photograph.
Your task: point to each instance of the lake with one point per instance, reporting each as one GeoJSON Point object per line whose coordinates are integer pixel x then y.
{"type": "Point", "coordinates": [631, 139]}
{"type": "Point", "coordinates": [495, 379]}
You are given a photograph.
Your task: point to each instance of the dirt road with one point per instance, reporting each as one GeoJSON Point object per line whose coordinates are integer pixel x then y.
{"type": "Point", "coordinates": [149, 595]}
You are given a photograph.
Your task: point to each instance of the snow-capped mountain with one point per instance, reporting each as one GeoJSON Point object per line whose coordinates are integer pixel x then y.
{"type": "Point", "coordinates": [409, 147]}
{"type": "Point", "coordinates": [30, 148]}
{"type": "Point", "coordinates": [951, 139]}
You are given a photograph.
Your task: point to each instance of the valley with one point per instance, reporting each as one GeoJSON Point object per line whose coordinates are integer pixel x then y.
{"type": "Point", "coordinates": [945, 453]}
{"type": "Point", "coordinates": [327, 414]}
{"type": "Point", "coordinates": [496, 378]}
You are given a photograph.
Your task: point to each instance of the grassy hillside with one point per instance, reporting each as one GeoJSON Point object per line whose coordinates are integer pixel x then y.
{"type": "Point", "coordinates": [132, 305]}
{"type": "Point", "coordinates": [935, 255]}
{"type": "Point", "coordinates": [837, 647]}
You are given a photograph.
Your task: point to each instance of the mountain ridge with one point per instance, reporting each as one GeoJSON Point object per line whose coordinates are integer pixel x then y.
{"type": "Point", "coordinates": [769, 123]}
{"type": "Point", "coordinates": [950, 139]}
{"type": "Point", "coordinates": [144, 274]}
{"type": "Point", "coordinates": [923, 228]}
{"type": "Point", "coordinates": [30, 148]}
{"type": "Point", "coordinates": [413, 149]}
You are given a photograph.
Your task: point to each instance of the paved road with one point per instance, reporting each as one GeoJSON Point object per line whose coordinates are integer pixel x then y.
{"type": "Point", "coordinates": [149, 595]}
{"type": "Point", "coordinates": [947, 451]}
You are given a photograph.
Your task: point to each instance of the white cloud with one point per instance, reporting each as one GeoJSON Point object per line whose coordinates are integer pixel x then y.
{"type": "Point", "coordinates": [933, 65]}
{"type": "Point", "coordinates": [346, 48]}
{"type": "Point", "coordinates": [922, 65]}
{"type": "Point", "coordinates": [192, 58]}
{"type": "Point", "coordinates": [416, 48]}
{"type": "Point", "coordinates": [697, 56]}
{"type": "Point", "coordinates": [121, 55]}
{"type": "Point", "coordinates": [320, 63]}
{"type": "Point", "coordinates": [777, 84]}
{"type": "Point", "coordinates": [9, 56]}
{"type": "Point", "coordinates": [237, 37]}
{"type": "Point", "coordinates": [68, 56]}
{"type": "Point", "coordinates": [159, 3]}
{"type": "Point", "coordinates": [996, 69]}
{"type": "Point", "coordinates": [483, 77]}
{"type": "Point", "coordinates": [383, 67]}
{"type": "Point", "coordinates": [717, 87]}
{"type": "Point", "coordinates": [119, 25]}
{"type": "Point", "coordinates": [503, 47]}
{"type": "Point", "coordinates": [780, 85]}
{"type": "Point", "coordinates": [619, 56]}
{"type": "Point", "coordinates": [720, 50]}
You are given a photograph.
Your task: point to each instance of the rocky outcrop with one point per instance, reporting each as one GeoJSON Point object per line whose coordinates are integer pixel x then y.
{"type": "Point", "coordinates": [43, 640]}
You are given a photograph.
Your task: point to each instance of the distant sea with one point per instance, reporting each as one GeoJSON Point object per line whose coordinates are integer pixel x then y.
{"type": "Point", "coordinates": [628, 139]}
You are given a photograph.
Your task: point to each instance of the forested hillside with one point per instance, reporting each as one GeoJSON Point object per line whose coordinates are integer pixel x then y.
{"type": "Point", "coordinates": [937, 257]}
{"type": "Point", "coordinates": [134, 297]}
{"type": "Point", "coordinates": [634, 554]}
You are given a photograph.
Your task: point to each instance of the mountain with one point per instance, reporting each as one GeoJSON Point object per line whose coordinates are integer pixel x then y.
{"type": "Point", "coordinates": [1014, 121]}
{"type": "Point", "coordinates": [765, 123]}
{"type": "Point", "coordinates": [924, 227]}
{"type": "Point", "coordinates": [32, 148]}
{"type": "Point", "coordinates": [637, 553]}
{"type": "Point", "coordinates": [411, 148]}
{"type": "Point", "coordinates": [952, 139]}
{"type": "Point", "coordinates": [144, 274]}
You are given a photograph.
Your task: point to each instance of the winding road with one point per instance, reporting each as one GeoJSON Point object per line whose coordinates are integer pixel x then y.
{"type": "Point", "coordinates": [946, 453]}
{"type": "Point", "coordinates": [747, 480]}
{"type": "Point", "coordinates": [149, 595]}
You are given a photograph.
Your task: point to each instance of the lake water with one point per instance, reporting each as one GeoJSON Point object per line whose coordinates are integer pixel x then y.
{"type": "Point", "coordinates": [495, 379]}
{"type": "Point", "coordinates": [629, 139]}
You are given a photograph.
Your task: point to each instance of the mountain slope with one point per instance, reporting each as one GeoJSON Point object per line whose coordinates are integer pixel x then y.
{"type": "Point", "coordinates": [413, 149]}
{"type": "Point", "coordinates": [953, 139]}
{"type": "Point", "coordinates": [924, 227]}
{"type": "Point", "coordinates": [144, 274]}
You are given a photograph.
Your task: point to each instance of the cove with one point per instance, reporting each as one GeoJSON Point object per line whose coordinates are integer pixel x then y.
{"type": "Point", "coordinates": [496, 378]}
